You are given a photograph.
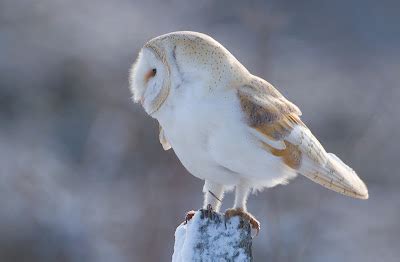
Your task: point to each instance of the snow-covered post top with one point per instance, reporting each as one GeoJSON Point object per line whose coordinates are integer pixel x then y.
{"type": "Point", "coordinates": [209, 237]}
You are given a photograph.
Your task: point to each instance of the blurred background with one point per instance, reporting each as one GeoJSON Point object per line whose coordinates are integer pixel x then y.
{"type": "Point", "coordinates": [84, 178]}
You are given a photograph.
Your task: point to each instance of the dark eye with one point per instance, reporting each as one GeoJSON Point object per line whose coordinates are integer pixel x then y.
{"type": "Point", "coordinates": [151, 73]}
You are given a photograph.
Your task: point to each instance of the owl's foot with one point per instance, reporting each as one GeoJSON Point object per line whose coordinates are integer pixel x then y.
{"type": "Point", "coordinates": [189, 215]}
{"type": "Point", "coordinates": [231, 212]}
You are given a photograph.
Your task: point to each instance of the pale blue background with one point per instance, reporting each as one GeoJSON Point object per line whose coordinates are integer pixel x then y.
{"type": "Point", "coordinates": [84, 178]}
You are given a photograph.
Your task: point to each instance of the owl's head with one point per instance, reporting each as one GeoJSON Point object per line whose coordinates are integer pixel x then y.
{"type": "Point", "coordinates": [168, 60]}
{"type": "Point", "coordinates": [150, 79]}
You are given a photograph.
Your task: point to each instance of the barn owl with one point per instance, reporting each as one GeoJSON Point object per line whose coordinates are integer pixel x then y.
{"type": "Point", "coordinates": [228, 127]}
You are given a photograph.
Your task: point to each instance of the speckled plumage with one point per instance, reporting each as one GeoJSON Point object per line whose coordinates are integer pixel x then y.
{"type": "Point", "coordinates": [227, 126]}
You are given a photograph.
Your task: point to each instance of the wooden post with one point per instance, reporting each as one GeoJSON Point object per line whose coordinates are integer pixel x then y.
{"type": "Point", "coordinates": [209, 237]}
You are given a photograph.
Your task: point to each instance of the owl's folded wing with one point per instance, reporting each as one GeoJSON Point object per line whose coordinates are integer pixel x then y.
{"type": "Point", "coordinates": [275, 121]}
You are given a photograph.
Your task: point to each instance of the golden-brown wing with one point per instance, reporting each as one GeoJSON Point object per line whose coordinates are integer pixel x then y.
{"type": "Point", "coordinates": [267, 110]}
{"type": "Point", "coordinates": [275, 121]}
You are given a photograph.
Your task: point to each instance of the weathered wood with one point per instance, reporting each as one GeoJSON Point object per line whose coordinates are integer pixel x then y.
{"type": "Point", "coordinates": [208, 236]}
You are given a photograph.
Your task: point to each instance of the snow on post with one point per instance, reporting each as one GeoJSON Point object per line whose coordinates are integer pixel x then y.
{"type": "Point", "coordinates": [209, 237]}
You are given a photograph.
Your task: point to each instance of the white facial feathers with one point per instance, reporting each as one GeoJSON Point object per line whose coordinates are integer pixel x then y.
{"type": "Point", "coordinates": [149, 80]}
{"type": "Point", "coordinates": [136, 82]}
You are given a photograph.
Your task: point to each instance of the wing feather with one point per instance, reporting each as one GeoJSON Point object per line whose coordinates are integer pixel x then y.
{"type": "Point", "coordinates": [275, 121]}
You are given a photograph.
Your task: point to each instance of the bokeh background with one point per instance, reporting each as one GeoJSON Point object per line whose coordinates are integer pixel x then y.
{"type": "Point", "coordinates": [84, 178]}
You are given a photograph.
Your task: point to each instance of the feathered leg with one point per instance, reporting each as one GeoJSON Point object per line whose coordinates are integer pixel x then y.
{"type": "Point", "coordinates": [241, 195]}
{"type": "Point", "coordinates": [213, 195]}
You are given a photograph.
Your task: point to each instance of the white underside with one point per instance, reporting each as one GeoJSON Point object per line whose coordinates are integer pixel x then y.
{"type": "Point", "coordinates": [209, 135]}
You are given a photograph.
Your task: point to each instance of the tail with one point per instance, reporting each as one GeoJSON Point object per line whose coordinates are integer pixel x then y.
{"type": "Point", "coordinates": [337, 176]}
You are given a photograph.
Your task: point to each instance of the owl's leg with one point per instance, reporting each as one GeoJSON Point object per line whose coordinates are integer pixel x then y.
{"type": "Point", "coordinates": [213, 195]}
{"type": "Point", "coordinates": [239, 208]}
{"type": "Point", "coordinates": [241, 195]}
